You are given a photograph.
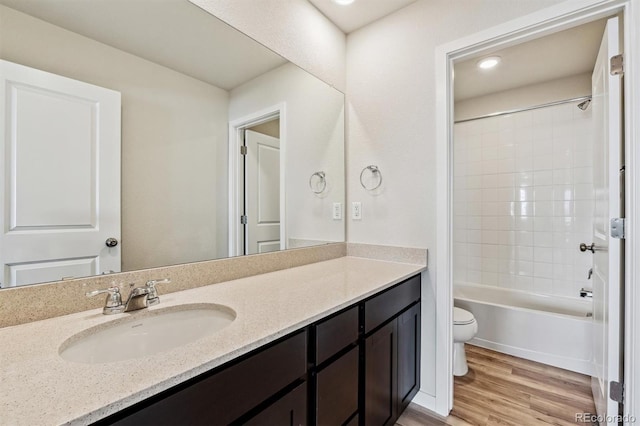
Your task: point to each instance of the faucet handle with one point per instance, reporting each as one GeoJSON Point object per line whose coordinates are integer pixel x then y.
{"type": "Point", "coordinates": [153, 298]}
{"type": "Point", "coordinates": [113, 303]}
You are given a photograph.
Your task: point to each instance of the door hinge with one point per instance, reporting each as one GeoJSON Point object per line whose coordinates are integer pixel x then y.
{"type": "Point", "coordinates": [243, 150]}
{"type": "Point", "coordinates": [616, 391]}
{"type": "Point", "coordinates": [617, 227]}
{"type": "Point", "coordinates": [243, 219]}
{"type": "Point", "coordinates": [617, 65]}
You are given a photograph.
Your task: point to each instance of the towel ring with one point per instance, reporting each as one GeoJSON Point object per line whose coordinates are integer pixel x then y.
{"type": "Point", "coordinates": [374, 170]}
{"type": "Point", "coordinates": [321, 183]}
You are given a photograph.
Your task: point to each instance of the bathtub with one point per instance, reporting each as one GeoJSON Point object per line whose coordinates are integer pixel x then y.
{"type": "Point", "coordinates": [548, 329]}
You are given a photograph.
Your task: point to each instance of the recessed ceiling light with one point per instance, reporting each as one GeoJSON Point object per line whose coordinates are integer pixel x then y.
{"type": "Point", "coordinates": [489, 62]}
{"type": "Point", "coordinates": [343, 2]}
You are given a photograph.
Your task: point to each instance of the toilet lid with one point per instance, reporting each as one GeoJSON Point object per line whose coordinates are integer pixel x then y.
{"type": "Point", "coordinates": [460, 316]}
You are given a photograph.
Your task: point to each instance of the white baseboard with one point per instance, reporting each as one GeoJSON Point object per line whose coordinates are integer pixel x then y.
{"type": "Point", "coordinates": [579, 366]}
{"type": "Point", "coordinates": [427, 401]}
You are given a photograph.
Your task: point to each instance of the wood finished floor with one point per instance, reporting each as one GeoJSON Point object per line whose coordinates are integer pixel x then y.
{"type": "Point", "coordinates": [504, 390]}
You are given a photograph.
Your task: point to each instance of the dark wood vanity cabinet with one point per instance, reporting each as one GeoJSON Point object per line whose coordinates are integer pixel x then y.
{"type": "Point", "coordinates": [408, 350]}
{"type": "Point", "coordinates": [230, 394]}
{"type": "Point", "coordinates": [360, 366]}
{"type": "Point", "coordinates": [391, 353]}
{"type": "Point", "coordinates": [335, 373]}
{"type": "Point", "coordinates": [290, 410]}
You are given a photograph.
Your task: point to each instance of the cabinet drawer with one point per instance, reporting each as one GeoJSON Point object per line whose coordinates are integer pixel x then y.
{"type": "Point", "coordinates": [355, 421]}
{"type": "Point", "coordinates": [336, 333]}
{"type": "Point", "coordinates": [386, 305]}
{"type": "Point", "coordinates": [228, 394]}
{"type": "Point", "coordinates": [290, 410]}
{"type": "Point", "coordinates": [338, 390]}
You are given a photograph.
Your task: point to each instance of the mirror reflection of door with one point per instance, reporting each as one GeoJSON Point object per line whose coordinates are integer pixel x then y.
{"type": "Point", "coordinates": [262, 188]}
{"type": "Point", "coordinates": [62, 165]}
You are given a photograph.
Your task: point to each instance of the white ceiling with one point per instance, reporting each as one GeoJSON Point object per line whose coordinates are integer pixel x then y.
{"type": "Point", "coordinates": [558, 55]}
{"type": "Point", "coordinates": [172, 33]}
{"type": "Point", "coordinates": [358, 14]}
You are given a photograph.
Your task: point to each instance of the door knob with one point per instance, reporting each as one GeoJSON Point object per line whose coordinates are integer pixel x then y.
{"type": "Point", "coordinates": [590, 247]}
{"type": "Point", "coordinates": [111, 242]}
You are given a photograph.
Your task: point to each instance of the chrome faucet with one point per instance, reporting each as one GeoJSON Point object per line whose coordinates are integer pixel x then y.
{"type": "Point", "coordinates": [113, 304]}
{"type": "Point", "coordinates": [153, 298]}
{"type": "Point", "coordinates": [586, 293]}
{"type": "Point", "coordinates": [139, 297]}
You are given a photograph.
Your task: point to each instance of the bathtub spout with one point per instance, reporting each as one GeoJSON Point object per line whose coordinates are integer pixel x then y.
{"type": "Point", "coordinates": [586, 293]}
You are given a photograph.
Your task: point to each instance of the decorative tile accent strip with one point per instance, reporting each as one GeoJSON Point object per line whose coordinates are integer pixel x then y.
{"type": "Point", "coordinates": [415, 256]}
{"type": "Point", "coordinates": [20, 305]}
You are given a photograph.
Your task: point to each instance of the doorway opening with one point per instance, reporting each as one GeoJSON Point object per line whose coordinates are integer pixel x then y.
{"type": "Point", "coordinates": [537, 150]}
{"type": "Point", "coordinates": [261, 188]}
{"type": "Point", "coordinates": [545, 23]}
{"type": "Point", "coordinates": [256, 176]}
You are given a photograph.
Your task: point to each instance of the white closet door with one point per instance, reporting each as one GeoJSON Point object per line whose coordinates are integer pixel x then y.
{"type": "Point", "coordinates": [60, 177]}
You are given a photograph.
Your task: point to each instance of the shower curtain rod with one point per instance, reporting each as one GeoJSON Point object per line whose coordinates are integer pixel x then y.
{"type": "Point", "coordinates": [513, 111]}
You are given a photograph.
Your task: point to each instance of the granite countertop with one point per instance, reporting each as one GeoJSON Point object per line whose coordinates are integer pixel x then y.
{"type": "Point", "coordinates": [39, 387]}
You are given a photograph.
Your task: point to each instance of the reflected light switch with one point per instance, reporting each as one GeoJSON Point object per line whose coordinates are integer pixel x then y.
{"type": "Point", "coordinates": [337, 211]}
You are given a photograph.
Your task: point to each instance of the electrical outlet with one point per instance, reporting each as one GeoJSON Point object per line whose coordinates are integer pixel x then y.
{"type": "Point", "coordinates": [337, 211]}
{"type": "Point", "coordinates": [356, 210]}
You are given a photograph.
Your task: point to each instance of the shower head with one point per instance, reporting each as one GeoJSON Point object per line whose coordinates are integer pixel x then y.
{"type": "Point", "coordinates": [584, 104]}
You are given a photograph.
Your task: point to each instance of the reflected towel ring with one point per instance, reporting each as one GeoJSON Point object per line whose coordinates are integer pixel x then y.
{"type": "Point", "coordinates": [374, 170]}
{"type": "Point", "coordinates": [320, 185]}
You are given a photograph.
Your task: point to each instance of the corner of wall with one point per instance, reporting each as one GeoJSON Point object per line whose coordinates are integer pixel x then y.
{"type": "Point", "coordinates": [293, 29]}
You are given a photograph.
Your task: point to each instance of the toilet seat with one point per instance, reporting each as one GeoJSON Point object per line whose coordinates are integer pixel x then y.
{"type": "Point", "coordinates": [462, 317]}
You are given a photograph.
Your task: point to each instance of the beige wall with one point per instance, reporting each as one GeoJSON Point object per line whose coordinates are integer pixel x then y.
{"type": "Point", "coordinates": [172, 126]}
{"type": "Point", "coordinates": [391, 112]}
{"type": "Point", "coordinates": [536, 94]}
{"type": "Point", "coordinates": [314, 141]}
{"type": "Point", "coordinates": [292, 28]}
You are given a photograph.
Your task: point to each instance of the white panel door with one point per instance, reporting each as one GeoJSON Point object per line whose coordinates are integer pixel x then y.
{"type": "Point", "coordinates": [607, 279]}
{"type": "Point", "coordinates": [60, 177]}
{"type": "Point", "coordinates": [262, 193]}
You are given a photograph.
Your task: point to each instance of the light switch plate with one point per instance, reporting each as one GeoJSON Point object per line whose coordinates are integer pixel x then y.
{"type": "Point", "coordinates": [356, 210]}
{"type": "Point", "coordinates": [337, 211]}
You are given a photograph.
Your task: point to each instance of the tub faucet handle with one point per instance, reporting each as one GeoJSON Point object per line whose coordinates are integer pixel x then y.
{"type": "Point", "coordinates": [591, 247]}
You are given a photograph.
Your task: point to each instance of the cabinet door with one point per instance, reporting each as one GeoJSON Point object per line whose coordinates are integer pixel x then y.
{"type": "Point", "coordinates": [408, 356]}
{"type": "Point", "coordinates": [381, 386]}
{"type": "Point", "coordinates": [224, 396]}
{"type": "Point", "coordinates": [337, 387]}
{"type": "Point", "coordinates": [290, 410]}
{"type": "Point", "coordinates": [390, 302]}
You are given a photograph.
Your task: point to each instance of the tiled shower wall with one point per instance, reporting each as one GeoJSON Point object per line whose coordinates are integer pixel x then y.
{"type": "Point", "coordinates": [523, 200]}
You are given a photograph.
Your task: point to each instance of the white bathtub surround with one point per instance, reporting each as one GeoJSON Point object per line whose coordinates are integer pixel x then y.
{"type": "Point", "coordinates": [549, 329]}
{"type": "Point", "coordinates": [523, 200]}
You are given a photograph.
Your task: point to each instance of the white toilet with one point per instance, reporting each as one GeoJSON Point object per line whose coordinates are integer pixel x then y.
{"type": "Point", "coordinates": [465, 328]}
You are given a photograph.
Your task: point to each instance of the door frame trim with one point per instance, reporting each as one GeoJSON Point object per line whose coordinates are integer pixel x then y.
{"type": "Point", "coordinates": [236, 127]}
{"type": "Point", "coordinates": [540, 23]}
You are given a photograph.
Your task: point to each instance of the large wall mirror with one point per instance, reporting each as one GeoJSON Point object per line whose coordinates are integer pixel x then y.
{"type": "Point", "coordinates": [139, 134]}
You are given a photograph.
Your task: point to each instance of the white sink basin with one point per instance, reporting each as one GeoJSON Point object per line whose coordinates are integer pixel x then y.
{"type": "Point", "coordinates": [146, 333]}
